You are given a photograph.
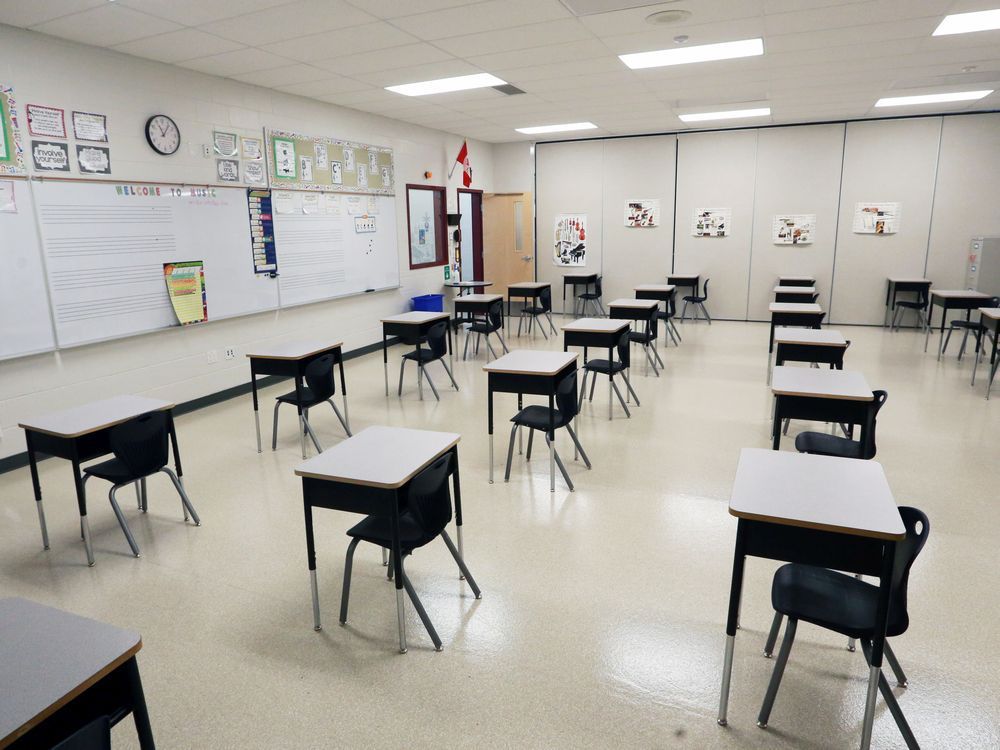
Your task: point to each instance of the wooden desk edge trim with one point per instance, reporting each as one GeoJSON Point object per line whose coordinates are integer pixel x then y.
{"type": "Point", "coordinates": [776, 392]}
{"type": "Point", "coordinates": [384, 485]}
{"type": "Point", "coordinates": [547, 373]}
{"type": "Point", "coordinates": [414, 322]}
{"type": "Point", "coordinates": [88, 432]}
{"type": "Point", "coordinates": [331, 347]}
{"type": "Point", "coordinates": [838, 344]}
{"type": "Point", "coordinates": [817, 526]}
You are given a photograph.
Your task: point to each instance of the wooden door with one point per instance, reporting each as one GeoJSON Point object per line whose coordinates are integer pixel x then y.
{"type": "Point", "coordinates": [508, 239]}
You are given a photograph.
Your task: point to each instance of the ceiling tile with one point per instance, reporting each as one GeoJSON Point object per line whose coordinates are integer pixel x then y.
{"type": "Point", "coordinates": [581, 49]}
{"type": "Point", "coordinates": [704, 12]}
{"type": "Point", "coordinates": [197, 12]}
{"type": "Point", "coordinates": [289, 22]}
{"type": "Point", "coordinates": [414, 73]}
{"type": "Point", "coordinates": [31, 12]}
{"type": "Point", "coordinates": [174, 46]}
{"type": "Point", "coordinates": [384, 59]}
{"type": "Point", "coordinates": [282, 76]}
{"type": "Point", "coordinates": [327, 45]}
{"type": "Point", "coordinates": [395, 8]}
{"type": "Point", "coordinates": [524, 37]}
{"type": "Point", "coordinates": [106, 25]}
{"type": "Point", "coordinates": [329, 86]}
{"type": "Point", "coordinates": [486, 16]}
{"type": "Point", "coordinates": [241, 61]}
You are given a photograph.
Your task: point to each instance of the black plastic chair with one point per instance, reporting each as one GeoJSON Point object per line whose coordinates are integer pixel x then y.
{"type": "Point", "coordinates": [493, 323]}
{"type": "Point", "coordinates": [668, 320]}
{"type": "Point", "coordinates": [610, 368]}
{"type": "Point", "coordinates": [437, 348]}
{"type": "Point", "coordinates": [699, 301]}
{"type": "Point", "coordinates": [593, 298]}
{"type": "Point", "coordinates": [320, 386]}
{"type": "Point", "coordinates": [93, 736]}
{"type": "Point", "coordinates": [919, 306]}
{"type": "Point", "coordinates": [647, 337]}
{"type": "Point", "coordinates": [846, 605]}
{"type": "Point", "coordinates": [822, 444]}
{"type": "Point", "coordinates": [544, 307]}
{"type": "Point", "coordinates": [426, 517]}
{"type": "Point", "coordinates": [976, 328]}
{"type": "Point", "coordinates": [536, 417]}
{"type": "Point", "coordinates": [140, 448]}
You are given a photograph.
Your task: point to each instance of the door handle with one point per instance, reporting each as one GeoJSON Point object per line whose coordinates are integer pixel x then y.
{"type": "Point", "coordinates": [525, 257]}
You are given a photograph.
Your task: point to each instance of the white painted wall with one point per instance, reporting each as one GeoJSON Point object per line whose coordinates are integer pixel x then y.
{"type": "Point", "coordinates": [173, 364]}
{"type": "Point", "coordinates": [513, 167]}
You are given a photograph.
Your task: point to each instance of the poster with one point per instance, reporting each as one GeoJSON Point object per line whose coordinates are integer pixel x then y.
{"type": "Point", "coordinates": [386, 177]}
{"type": "Point", "coordinates": [348, 159]}
{"type": "Point", "coordinates": [228, 170]}
{"type": "Point", "coordinates": [47, 122]}
{"type": "Point", "coordinates": [793, 229]}
{"type": "Point", "coordinates": [283, 202]}
{"type": "Point", "coordinates": [354, 205]}
{"type": "Point", "coordinates": [570, 248]}
{"type": "Point", "coordinates": [336, 173]}
{"type": "Point", "coordinates": [11, 151]}
{"type": "Point", "coordinates": [90, 127]}
{"type": "Point", "coordinates": [50, 157]}
{"type": "Point", "coordinates": [93, 159]}
{"type": "Point", "coordinates": [332, 203]}
{"type": "Point", "coordinates": [322, 157]}
{"type": "Point", "coordinates": [362, 175]}
{"type": "Point", "coordinates": [306, 168]}
{"type": "Point", "coordinates": [265, 257]}
{"type": "Point", "coordinates": [310, 203]}
{"type": "Point", "coordinates": [373, 162]}
{"type": "Point", "coordinates": [186, 290]}
{"type": "Point", "coordinates": [224, 144]}
{"type": "Point", "coordinates": [253, 172]}
{"type": "Point", "coordinates": [8, 201]}
{"type": "Point", "coordinates": [642, 212]}
{"type": "Point", "coordinates": [876, 218]}
{"type": "Point", "coordinates": [284, 159]}
{"type": "Point", "coordinates": [712, 222]}
{"type": "Point", "coordinates": [251, 148]}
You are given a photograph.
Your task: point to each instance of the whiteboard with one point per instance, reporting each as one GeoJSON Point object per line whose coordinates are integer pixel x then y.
{"type": "Point", "coordinates": [25, 326]}
{"type": "Point", "coordinates": [105, 246]}
{"type": "Point", "coordinates": [321, 253]}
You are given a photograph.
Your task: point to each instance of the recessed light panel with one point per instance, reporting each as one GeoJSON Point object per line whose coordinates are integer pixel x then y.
{"type": "Point", "coordinates": [535, 130]}
{"type": "Point", "coordinates": [699, 53]}
{"type": "Point", "coordinates": [733, 114]}
{"type": "Point", "coordinates": [444, 85]}
{"type": "Point", "coordinates": [964, 23]}
{"type": "Point", "coordinates": [957, 96]}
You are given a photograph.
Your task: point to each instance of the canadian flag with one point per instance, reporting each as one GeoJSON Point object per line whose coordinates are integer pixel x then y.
{"type": "Point", "coordinates": [463, 159]}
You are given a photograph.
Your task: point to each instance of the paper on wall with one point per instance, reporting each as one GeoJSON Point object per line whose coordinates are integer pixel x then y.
{"type": "Point", "coordinates": [251, 148]}
{"type": "Point", "coordinates": [306, 168]}
{"type": "Point", "coordinates": [712, 222]}
{"type": "Point", "coordinates": [354, 205]}
{"type": "Point", "coordinates": [876, 218]}
{"type": "Point", "coordinates": [310, 203]}
{"type": "Point", "coordinates": [322, 157]}
{"type": "Point", "coordinates": [283, 202]}
{"type": "Point", "coordinates": [793, 229]}
{"type": "Point", "coordinates": [8, 202]}
{"type": "Point", "coordinates": [333, 207]}
{"type": "Point", "coordinates": [362, 175]}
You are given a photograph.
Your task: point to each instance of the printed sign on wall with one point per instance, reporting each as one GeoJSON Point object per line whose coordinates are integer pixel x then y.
{"type": "Point", "coordinates": [570, 247]}
{"type": "Point", "coordinates": [712, 222]}
{"type": "Point", "coordinates": [876, 218]}
{"type": "Point", "coordinates": [793, 229]}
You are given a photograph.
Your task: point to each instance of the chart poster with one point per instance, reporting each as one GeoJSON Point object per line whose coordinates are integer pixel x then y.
{"type": "Point", "coordinates": [320, 163]}
{"type": "Point", "coordinates": [88, 126]}
{"type": "Point", "coordinates": [265, 255]}
{"type": "Point", "coordinates": [712, 222]}
{"type": "Point", "coordinates": [186, 289]}
{"type": "Point", "coordinates": [46, 122]}
{"type": "Point", "coordinates": [642, 212]}
{"type": "Point", "coordinates": [8, 201]}
{"type": "Point", "coordinates": [48, 156]}
{"type": "Point", "coordinates": [251, 148]}
{"type": "Point", "coordinates": [285, 167]}
{"type": "Point", "coordinates": [93, 159]}
{"type": "Point", "coordinates": [570, 248]}
{"type": "Point", "coordinates": [11, 152]}
{"type": "Point", "coordinates": [322, 156]}
{"type": "Point", "coordinates": [793, 229]}
{"type": "Point", "coordinates": [876, 218]}
{"type": "Point", "coordinates": [228, 170]}
{"type": "Point", "coordinates": [225, 144]}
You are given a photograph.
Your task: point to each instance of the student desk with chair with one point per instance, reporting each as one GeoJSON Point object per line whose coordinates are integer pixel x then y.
{"type": "Point", "coordinates": [805, 314]}
{"type": "Point", "coordinates": [794, 293]}
{"type": "Point", "coordinates": [467, 287]}
{"type": "Point", "coordinates": [838, 396]}
{"type": "Point", "coordinates": [61, 672]}
{"type": "Point", "coordinates": [586, 280]}
{"type": "Point", "coordinates": [411, 328]}
{"type": "Point", "coordinates": [809, 345]}
{"type": "Point", "coordinates": [290, 360]}
{"type": "Point", "coordinates": [599, 333]}
{"type": "Point", "coordinates": [475, 304]}
{"type": "Point", "coordinates": [529, 292]}
{"type": "Point", "coordinates": [829, 512]}
{"type": "Point", "coordinates": [951, 299]}
{"type": "Point", "coordinates": [645, 311]}
{"type": "Point", "coordinates": [895, 285]}
{"type": "Point", "coordinates": [665, 293]}
{"type": "Point", "coordinates": [685, 280]}
{"type": "Point", "coordinates": [477, 307]}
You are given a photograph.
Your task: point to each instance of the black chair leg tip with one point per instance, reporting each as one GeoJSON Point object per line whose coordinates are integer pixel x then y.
{"type": "Point", "coordinates": [722, 723]}
{"type": "Point", "coordinates": [402, 651]}
{"type": "Point", "coordinates": [762, 724]}
{"type": "Point", "coordinates": [317, 628]}
{"type": "Point", "coordinates": [767, 654]}
{"type": "Point", "coordinates": [90, 565]}
{"type": "Point", "coordinates": [439, 649]}
{"type": "Point", "coordinates": [480, 596]}
{"type": "Point", "coordinates": [851, 649]}
{"type": "Point", "coordinates": [903, 685]}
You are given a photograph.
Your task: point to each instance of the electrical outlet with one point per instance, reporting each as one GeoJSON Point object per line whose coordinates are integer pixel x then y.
{"type": "Point", "coordinates": [206, 150]}
{"type": "Point", "coordinates": [230, 352]}
{"type": "Point", "coordinates": [213, 356]}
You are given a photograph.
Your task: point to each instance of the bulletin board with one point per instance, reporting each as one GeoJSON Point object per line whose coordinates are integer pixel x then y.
{"type": "Point", "coordinates": [303, 162]}
{"type": "Point", "coordinates": [11, 152]}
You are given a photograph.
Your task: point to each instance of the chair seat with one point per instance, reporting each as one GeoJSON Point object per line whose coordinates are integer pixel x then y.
{"type": "Point", "coordinates": [534, 310]}
{"type": "Point", "coordinates": [693, 298]}
{"type": "Point", "coordinates": [827, 445]}
{"type": "Point", "coordinates": [425, 355]}
{"type": "Point", "coordinates": [378, 530]}
{"type": "Point", "coordinates": [113, 470]}
{"type": "Point", "coordinates": [911, 305]}
{"type": "Point", "coordinates": [536, 417]}
{"type": "Point", "coordinates": [969, 324]}
{"type": "Point", "coordinates": [641, 337]}
{"type": "Point", "coordinates": [588, 295]}
{"type": "Point", "coordinates": [483, 328]}
{"type": "Point", "coordinates": [603, 366]}
{"type": "Point", "coordinates": [831, 600]}
{"type": "Point", "coordinates": [308, 398]}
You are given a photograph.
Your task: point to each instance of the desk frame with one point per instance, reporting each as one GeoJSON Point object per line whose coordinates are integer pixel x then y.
{"type": "Point", "coordinates": [600, 340]}
{"type": "Point", "coordinates": [893, 288]}
{"type": "Point", "coordinates": [994, 359]}
{"type": "Point", "coordinates": [820, 409]}
{"type": "Point", "coordinates": [577, 279]}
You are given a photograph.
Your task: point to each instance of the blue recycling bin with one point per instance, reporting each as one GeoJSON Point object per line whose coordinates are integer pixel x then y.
{"type": "Point", "coordinates": [428, 303]}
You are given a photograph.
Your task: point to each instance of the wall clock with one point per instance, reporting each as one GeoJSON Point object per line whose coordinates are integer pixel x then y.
{"type": "Point", "coordinates": [163, 135]}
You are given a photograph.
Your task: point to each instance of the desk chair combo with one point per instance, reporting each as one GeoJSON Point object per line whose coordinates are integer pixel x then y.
{"type": "Point", "coordinates": [320, 387]}
{"type": "Point", "coordinates": [918, 306]}
{"type": "Point", "coordinates": [592, 298]}
{"type": "Point", "coordinates": [698, 300]}
{"type": "Point", "coordinates": [483, 327]}
{"type": "Point", "coordinates": [437, 348]}
{"type": "Point", "coordinates": [140, 448]}
{"type": "Point", "coordinates": [647, 337]}
{"type": "Point", "coordinates": [610, 368]}
{"type": "Point", "coordinates": [544, 307]}
{"type": "Point", "coordinates": [833, 445]}
{"type": "Point", "coordinates": [976, 328]}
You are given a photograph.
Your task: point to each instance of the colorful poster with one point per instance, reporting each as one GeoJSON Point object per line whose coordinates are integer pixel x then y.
{"type": "Point", "coordinates": [46, 122]}
{"type": "Point", "coordinates": [90, 127]}
{"type": "Point", "coordinates": [265, 256]}
{"type": "Point", "coordinates": [11, 151]}
{"type": "Point", "coordinates": [50, 157]}
{"type": "Point", "coordinates": [253, 172]}
{"type": "Point", "coordinates": [642, 212]}
{"type": "Point", "coordinates": [712, 222]}
{"type": "Point", "coordinates": [224, 144]}
{"type": "Point", "coordinates": [8, 201]}
{"type": "Point", "coordinates": [876, 218]}
{"type": "Point", "coordinates": [284, 159]}
{"type": "Point", "coordinates": [228, 170]}
{"type": "Point", "coordinates": [570, 247]}
{"type": "Point", "coordinates": [793, 229]}
{"type": "Point", "coordinates": [186, 289]}
{"type": "Point", "coordinates": [93, 159]}
{"type": "Point", "coordinates": [251, 148]}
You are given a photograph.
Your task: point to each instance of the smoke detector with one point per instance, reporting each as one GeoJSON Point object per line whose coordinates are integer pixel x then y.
{"type": "Point", "coordinates": [667, 17]}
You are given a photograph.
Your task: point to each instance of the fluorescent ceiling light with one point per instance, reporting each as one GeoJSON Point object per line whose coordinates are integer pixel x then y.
{"type": "Point", "coordinates": [733, 114]}
{"type": "Point", "coordinates": [556, 128]}
{"type": "Point", "coordinates": [963, 23]}
{"type": "Point", "coordinates": [444, 85]}
{"type": "Point", "coordinates": [957, 96]}
{"type": "Point", "coordinates": [700, 53]}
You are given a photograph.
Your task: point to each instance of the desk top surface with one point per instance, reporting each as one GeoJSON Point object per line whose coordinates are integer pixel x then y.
{"type": "Point", "coordinates": [531, 362]}
{"type": "Point", "coordinates": [684, 276]}
{"type": "Point", "coordinates": [48, 657]}
{"type": "Point", "coordinates": [809, 336]}
{"type": "Point", "coordinates": [794, 307]}
{"type": "Point", "coordinates": [415, 317]}
{"type": "Point", "coordinates": [292, 349]}
{"type": "Point", "coordinates": [643, 304]}
{"type": "Point", "coordinates": [578, 276]}
{"type": "Point", "coordinates": [98, 415]}
{"type": "Point", "coordinates": [529, 285]}
{"type": "Point", "coordinates": [907, 280]}
{"type": "Point", "coordinates": [467, 284]}
{"type": "Point", "coordinates": [478, 298]}
{"type": "Point", "coordinates": [959, 294]}
{"type": "Point", "coordinates": [810, 279]}
{"type": "Point", "coordinates": [780, 289]}
{"type": "Point", "coordinates": [993, 313]}
{"type": "Point", "coordinates": [664, 288]}
{"type": "Point", "coordinates": [385, 457]}
{"type": "Point", "coordinates": [596, 325]}
{"type": "Point", "coordinates": [848, 385]}
{"type": "Point", "coordinates": [826, 493]}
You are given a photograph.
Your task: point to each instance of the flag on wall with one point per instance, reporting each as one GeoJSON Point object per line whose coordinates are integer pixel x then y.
{"type": "Point", "coordinates": [463, 159]}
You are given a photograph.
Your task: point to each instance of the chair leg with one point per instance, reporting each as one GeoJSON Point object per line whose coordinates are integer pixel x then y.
{"type": "Point", "coordinates": [503, 343]}
{"type": "Point", "coordinates": [531, 438]}
{"type": "Point", "coordinates": [274, 429]}
{"type": "Point", "coordinates": [576, 442]}
{"type": "Point", "coordinates": [583, 390]}
{"type": "Point", "coordinates": [772, 636]}
{"type": "Point", "coordinates": [684, 311]}
{"type": "Point", "coordinates": [779, 670]}
{"type": "Point", "coordinates": [417, 605]}
{"type": "Point", "coordinates": [138, 494]}
{"type": "Point", "coordinates": [961, 349]}
{"type": "Point", "coordinates": [946, 340]}
{"type": "Point", "coordinates": [559, 463]}
{"type": "Point", "coordinates": [339, 416]}
{"type": "Point", "coordinates": [552, 326]}
{"type": "Point", "coordinates": [510, 452]}
{"type": "Point", "coordinates": [897, 670]}
{"type": "Point", "coordinates": [461, 564]}
{"type": "Point", "coordinates": [489, 349]}
{"type": "Point", "coordinates": [427, 377]}
{"type": "Point", "coordinates": [544, 334]}
{"type": "Point", "coordinates": [465, 351]}
{"type": "Point", "coordinates": [784, 427]}
{"type": "Point", "coordinates": [420, 380]}
{"type": "Point", "coordinates": [345, 595]}
{"type": "Point", "coordinates": [676, 330]}
{"type": "Point", "coordinates": [520, 321]}
{"type": "Point", "coordinates": [890, 701]}
{"type": "Point", "coordinates": [657, 355]}
{"type": "Point", "coordinates": [399, 390]}
{"type": "Point", "coordinates": [628, 384]}
{"type": "Point", "coordinates": [448, 370]}
{"type": "Point", "coordinates": [309, 430]}
{"type": "Point", "coordinates": [705, 311]}
{"type": "Point", "coordinates": [600, 307]}
{"type": "Point", "coordinates": [185, 500]}
{"type": "Point", "coordinates": [621, 400]}
{"type": "Point", "coordinates": [593, 382]}
{"type": "Point", "coordinates": [122, 522]}
{"type": "Point", "coordinates": [650, 360]}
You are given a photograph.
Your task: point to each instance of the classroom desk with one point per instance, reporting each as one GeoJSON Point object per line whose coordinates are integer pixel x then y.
{"type": "Point", "coordinates": [410, 327]}
{"type": "Point", "coordinates": [662, 293]}
{"type": "Point", "coordinates": [369, 474]}
{"type": "Point", "coordinates": [687, 280]}
{"type": "Point", "coordinates": [290, 360]}
{"type": "Point", "coordinates": [951, 299]}
{"type": "Point", "coordinates": [632, 308]}
{"type": "Point", "coordinates": [530, 290]}
{"type": "Point", "coordinates": [840, 396]}
{"type": "Point", "coordinates": [80, 434]}
{"type": "Point", "coordinates": [989, 317]}
{"type": "Point", "coordinates": [794, 293]}
{"type": "Point", "coordinates": [467, 286]}
{"type": "Point", "coordinates": [825, 511]}
{"type": "Point", "coordinates": [796, 281]}
{"type": "Point", "coordinates": [809, 345]}
{"type": "Point", "coordinates": [894, 285]}
{"type": "Point", "coordinates": [600, 333]}
{"type": "Point", "coordinates": [475, 304]}
{"type": "Point", "coordinates": [575, 280]}
{"type": "Point", "coordinates": [532, 372]}
{"type": "Point", "coordinates": [805, 314]}
{"type": "Point", "coordinates": [60, 671]}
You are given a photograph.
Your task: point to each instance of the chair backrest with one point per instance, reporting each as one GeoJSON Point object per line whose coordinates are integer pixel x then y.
{"type": "Point", "coordinates": [141, 443]}
{"type": "Point", "coordinates": [868, 450]}
{"type": "Point", "coordinates": [651, 324]}
{"type": "Point", "coordinates": [319, 377]}
{"type": "Point", "coordinates": [566, 401]}
{"type": "Point", "coordinates": [993, 302]}
{"type": "Point", "coordinates": [545, 296]}
{"type": "Point", "coordinates": [907, 550]}
{"type": "Point", "coordinates": [428, 498]}
{"type": "Point", "coordinates": [494, 315]}
{"type": "Point", "coordinates": [599, 286]}
{"type": "Point", "coordinates": [624, 349]}
{"type": "Point", "coordinates": [437, 339]}
{"type": "Point", "coordinates": [705, 289]}
{"type": "Point", "coordinates": [671, 306]}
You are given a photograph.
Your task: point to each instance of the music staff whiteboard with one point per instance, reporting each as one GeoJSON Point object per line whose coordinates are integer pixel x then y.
{"type": "Point", "coordinates": [326, 248]}
{"type": "Point", "coordinates": [24, 303]}
{"type": "Point", "coordinates": [105, 246]}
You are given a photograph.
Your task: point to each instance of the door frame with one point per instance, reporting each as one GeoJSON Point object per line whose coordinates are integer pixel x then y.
{"type": "Point", "coordinates": [477, 229]}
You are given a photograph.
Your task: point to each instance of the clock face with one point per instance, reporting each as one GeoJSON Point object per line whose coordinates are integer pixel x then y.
{"type": "Point", "coordinates": [163, 135]}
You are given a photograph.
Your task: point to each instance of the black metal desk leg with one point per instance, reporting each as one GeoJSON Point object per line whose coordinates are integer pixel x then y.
{"type": "Point", "coordinates": [385, 363]}
{"type": "Point", "coordinates": [552, 445]}
{"type": "Point", "coordinates": [139, 713]}
{"type": "Point", "coordinates": [311, 560]}
{"type": "Point", "coordinates": [776, 424]}
{"type": "Point", "coordinates": [81, 501]}
{"type": "Point", "coordinates": [732, 619]}
{"type": "Point", "coordinates": [489, 420]}
{"type": "Point", "coordinates": [878, 643]}
{"type": "Point", "coordinates": [457, 490]}
{"type": "Point", "coordinates": [397, 570]}
{"type": "Point", "coordinates": [33, 464]}
{"type": "Point", "coordinates": [298, 408]}
{"type": "Point", "coordinates": [256, 407]}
